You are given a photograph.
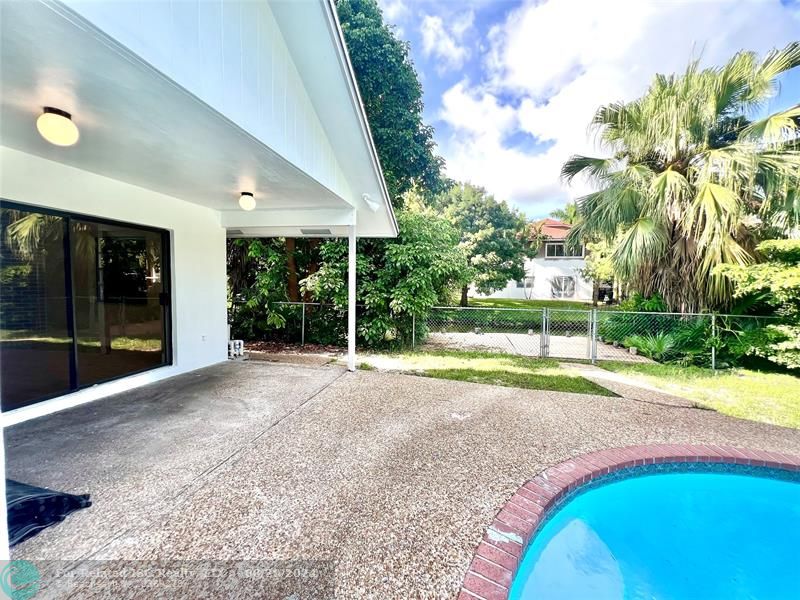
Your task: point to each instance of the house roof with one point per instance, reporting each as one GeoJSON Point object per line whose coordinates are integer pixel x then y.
{"type": "Point", "coordinates": [200, 110]}
{"type": "Point", "coordinates": [553, 228]}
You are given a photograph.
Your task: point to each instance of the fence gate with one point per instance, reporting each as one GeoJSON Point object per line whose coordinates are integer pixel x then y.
{"type": "Point", "coordinates": [509, 330]}
{"type": "Point", "coordinates": [582, 334]}
{"type": "Point", "coordinates": [579, 334]}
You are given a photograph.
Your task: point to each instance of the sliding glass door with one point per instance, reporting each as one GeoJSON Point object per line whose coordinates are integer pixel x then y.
{"type": "Point", "coordinates": [35, 335]}
{"type": "Point", "coordinates": [81, 301]}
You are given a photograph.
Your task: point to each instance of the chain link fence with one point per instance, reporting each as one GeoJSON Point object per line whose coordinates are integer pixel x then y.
{"type": "Point", "coordinates": [301, 322]}
{"type": "Point", "coordinates": [507, 330]}
{"type": "Point", "coordinates": [588, 334]}
{"type": "Point", "coordinates": [580, 334]}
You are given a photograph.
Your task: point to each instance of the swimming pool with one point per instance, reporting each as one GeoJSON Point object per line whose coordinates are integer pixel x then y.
{"type": "Point", "coordinates": [719, 532]}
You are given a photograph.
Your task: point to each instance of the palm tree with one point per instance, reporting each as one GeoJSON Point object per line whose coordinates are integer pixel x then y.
{"type": "Point", "coordinates": [691, 183]}
{"type": "Point", "coordinates": [568, 214]}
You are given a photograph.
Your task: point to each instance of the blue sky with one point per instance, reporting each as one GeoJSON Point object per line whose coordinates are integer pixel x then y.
{"type": "Point", "coordinates": [511, 85]}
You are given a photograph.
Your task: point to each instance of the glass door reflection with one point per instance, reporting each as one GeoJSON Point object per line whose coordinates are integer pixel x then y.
{"type": "Point", "coordinates": [118, 289]}
{"type": "Point", "coordinates": [35, 334]}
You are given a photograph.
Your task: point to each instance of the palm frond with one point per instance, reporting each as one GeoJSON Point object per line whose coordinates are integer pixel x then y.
{"type": "Point", "coordinates": [644, 242]}
{"type": "Point", "coordinates": [777, 129]}
{"type": "Point", "coordinates": [587, 166]}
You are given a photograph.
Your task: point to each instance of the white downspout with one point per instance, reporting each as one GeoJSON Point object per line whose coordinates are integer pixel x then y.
{"type": "Point", "coordinates": [351, 296]}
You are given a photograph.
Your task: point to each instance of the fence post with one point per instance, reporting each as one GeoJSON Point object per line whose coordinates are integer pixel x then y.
{"type": "Point", "coordinates": [594, 336]}
{"type": "Point", "coordinates": [303, 326]}
{"type": "Point", "coordinates": [545, 334]}
{"type": "Point", "coordinates": [413, 330]}
{"type": "Point", "coordinates": [714, 342]}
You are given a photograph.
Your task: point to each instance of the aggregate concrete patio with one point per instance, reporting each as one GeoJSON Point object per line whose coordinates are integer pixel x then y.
{"type": "Point", "coordinates": [392, 478]}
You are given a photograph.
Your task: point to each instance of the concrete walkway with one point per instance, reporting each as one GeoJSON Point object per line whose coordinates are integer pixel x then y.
{"type": "Point", "coordinates": [388, 479]}
{"type": "Point", "coordinates": [521, 344]}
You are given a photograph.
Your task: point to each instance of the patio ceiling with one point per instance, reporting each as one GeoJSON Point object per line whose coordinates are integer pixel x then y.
{"type": "Point", "coordinates": [140, 127]}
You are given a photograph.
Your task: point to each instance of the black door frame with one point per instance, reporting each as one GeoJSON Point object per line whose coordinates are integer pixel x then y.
{"type": "Point", "coordinates": [165, 298]}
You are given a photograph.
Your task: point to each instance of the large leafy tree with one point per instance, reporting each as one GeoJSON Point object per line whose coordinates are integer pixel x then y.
{"type": "Point", "coordinates": [493, 236]}
{"type": "Point", "coordinates": [392, 96]}
{"type": "Point", "coordinates": [397, 279]}
{"type": "Point", "coordinates": [690, 182]}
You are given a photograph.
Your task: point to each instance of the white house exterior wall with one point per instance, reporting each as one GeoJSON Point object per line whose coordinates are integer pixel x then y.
{"type": "Point", "coordinates": [543, 271]}
{"type": "Point", "coordinates": [231, 55]}
{"type": "Point", "coordinates": [198, 304]}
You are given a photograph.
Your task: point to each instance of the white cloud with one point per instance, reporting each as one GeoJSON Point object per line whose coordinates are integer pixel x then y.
{"type": "Point", "coordinates": [475, 113]}
{"type": "Point", "coordinates": [562, 59]}
{"type": "Point", "coordinates": [444, 43]}
{"type": "Point", "coordinates": [476, 152]}
{"type": "Point", "coordinates": [393, 10]}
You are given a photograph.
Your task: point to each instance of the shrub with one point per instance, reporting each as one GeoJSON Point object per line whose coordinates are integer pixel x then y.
{"type": "Point", "coordinates": [639, 303]}
{"type": "Point", "coordinates": [656, 346]}
{"type": "Point", "coordinates": [777, 283]}
{"type": "Point", "coordinates": [397, 279]}
{"type": "Point", "coordinates": [779, 344]}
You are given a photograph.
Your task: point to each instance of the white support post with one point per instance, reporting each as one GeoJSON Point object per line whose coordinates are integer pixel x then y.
{"type": "Point", "coordinates": [351, 297]}
{"type": "Point", "coordinates": [5, 552]}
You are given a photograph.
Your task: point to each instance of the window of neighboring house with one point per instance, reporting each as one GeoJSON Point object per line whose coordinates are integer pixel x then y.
{"type": "Point", "coordinates": [562, 287]}
{"type": "Point", "coordinates": [561, 250]}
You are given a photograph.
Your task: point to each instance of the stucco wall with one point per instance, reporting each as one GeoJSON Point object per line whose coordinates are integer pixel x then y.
{"type": "Point", "coordinates": [199, 317]}
{"type": "Point", "coordinates": [543, 271]}
{"type": "Point", "coordinates": [231, 55]}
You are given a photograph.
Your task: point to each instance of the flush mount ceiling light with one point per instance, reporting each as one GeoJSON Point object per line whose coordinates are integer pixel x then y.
{"type": "Point", "coordinates": [56, 127]}
{"type": "Point", "coordinates": [246, 201]}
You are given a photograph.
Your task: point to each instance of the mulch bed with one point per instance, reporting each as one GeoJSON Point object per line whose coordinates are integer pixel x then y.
{"type": "Point", "coordinates": [289, 348]}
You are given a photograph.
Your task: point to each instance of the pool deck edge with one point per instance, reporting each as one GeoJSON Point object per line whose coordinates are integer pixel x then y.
{"type": "Point", "coordinates": [503, 545]}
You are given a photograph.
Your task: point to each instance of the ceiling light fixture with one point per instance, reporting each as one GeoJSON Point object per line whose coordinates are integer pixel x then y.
{"type": "Point", "coordinates": [371, 204]}
{"type": "Point", "coordinates": [247, 201]}
{"type": "Point", "coordinates": [56, 126]}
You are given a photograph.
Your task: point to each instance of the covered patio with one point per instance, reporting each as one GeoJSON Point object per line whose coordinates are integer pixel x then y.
{"type": "Point", "coordinates": [135, 139]}
{"type": "Point", "coordinates": [384, 482]}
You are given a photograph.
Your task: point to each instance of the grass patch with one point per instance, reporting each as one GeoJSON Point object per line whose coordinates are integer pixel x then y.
{"type": "Point", "coordinates": [756, 395]}
{"type": "Point", "coordinates": [529, 380]}
{"type": "Point", "coordinates": [520, 303]}
{"type": "Point", "coordinates": [493, 369]}
{"type": "Point", "coordinates": [141, 343]}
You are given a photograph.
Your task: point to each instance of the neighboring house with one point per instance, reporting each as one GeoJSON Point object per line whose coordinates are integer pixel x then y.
{"type": "Point", "coordinates": [135, 137]}
{"type": "Point", "coordinates": [554, 273]}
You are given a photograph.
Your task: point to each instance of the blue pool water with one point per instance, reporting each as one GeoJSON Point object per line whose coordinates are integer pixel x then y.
{"type": "Point", "coordinates": [669, 536]}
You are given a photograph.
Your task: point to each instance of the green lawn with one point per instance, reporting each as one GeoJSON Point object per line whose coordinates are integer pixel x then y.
{"type": "Point", "coordinates": [142, 343]}
{"type": "Point", "coordinates": [759, 396]}
{"type": "Point", "coordinates": [516, 303]}
{"type": "Point", "coordinates": [490, 368]}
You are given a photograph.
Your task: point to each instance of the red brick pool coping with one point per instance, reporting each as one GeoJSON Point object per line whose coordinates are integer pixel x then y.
{"type": "Point", "coordinates": [496, 559]}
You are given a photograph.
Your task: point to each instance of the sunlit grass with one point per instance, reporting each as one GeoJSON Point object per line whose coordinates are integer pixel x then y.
{"type": "Point", "coordinates": [759, 396]}
{"type": "Point", "coordinates": [519, 303]}
{"type": "Point", "coordinates": [489, 368]}
{"type": "Point", "coordinates": [131, 343]}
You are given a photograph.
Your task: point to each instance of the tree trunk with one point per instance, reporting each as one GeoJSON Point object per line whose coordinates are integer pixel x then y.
{"type": "Point", "coordinates": [595, 291]}
{"type": "Point", "coordinates": [464, 299]}
{"type": "Point", "coordinates": [313, 264]}
{"type": "Point", "coordinates": [293, 288]}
